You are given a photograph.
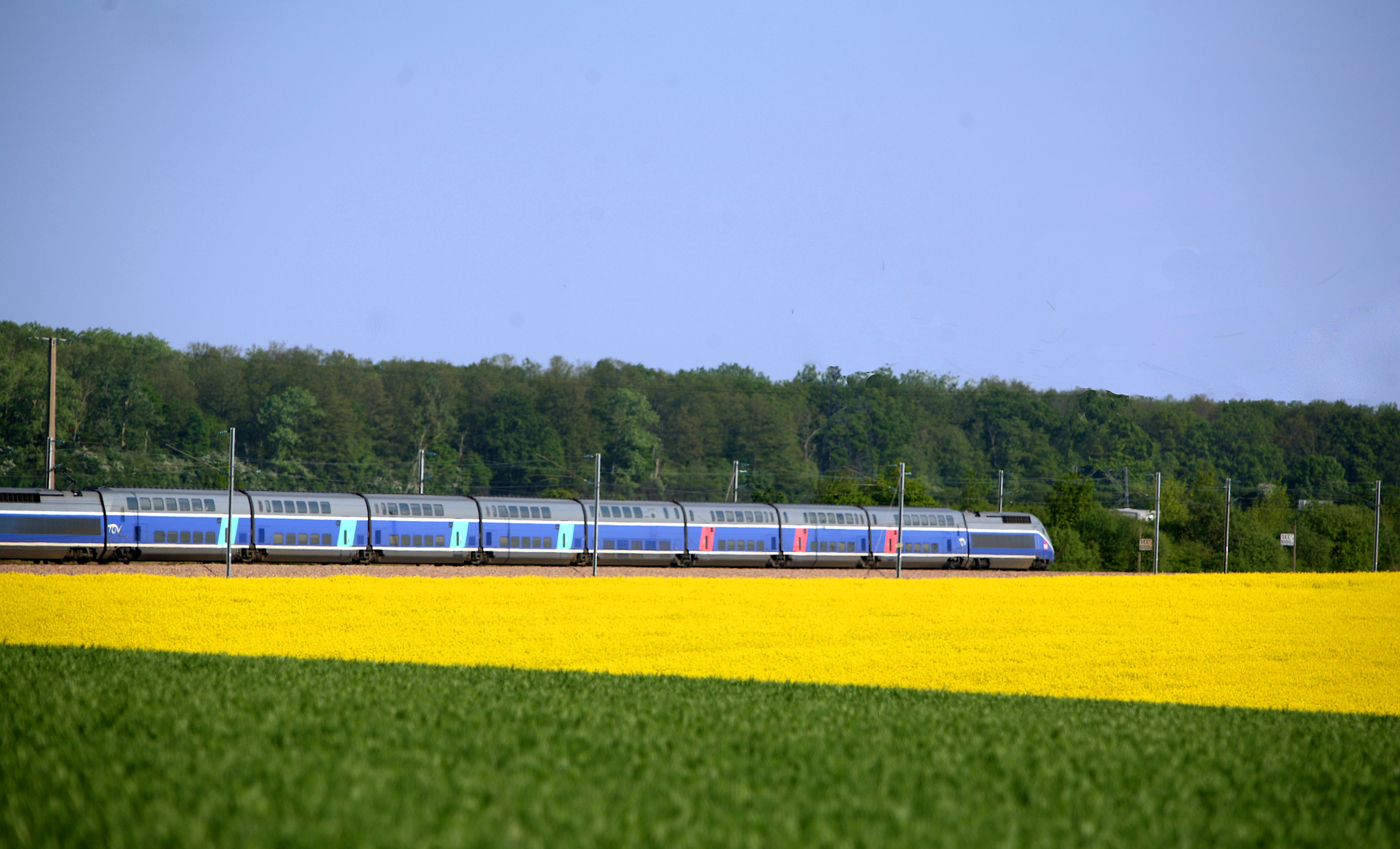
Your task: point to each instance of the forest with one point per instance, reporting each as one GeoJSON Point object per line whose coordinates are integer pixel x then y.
{"type": "Point", "coordinates": [132, 410]}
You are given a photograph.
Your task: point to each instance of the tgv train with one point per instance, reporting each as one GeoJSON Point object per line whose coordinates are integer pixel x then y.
{"type": "Point", "coordinates": [122, 524]}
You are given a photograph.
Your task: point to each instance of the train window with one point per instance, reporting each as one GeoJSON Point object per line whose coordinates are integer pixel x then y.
{"type": "Point", "coordinates": [196, 505]}
{"type": "Point", "coordinates": [840, 518]}
{"type": "Point", "coordinates": [514, 511]}
{"type": "Point", "coordinates": [159, 504]}
{"type": "Point", "coordinates": [748, 515]}
{"type": "Point", "coordinates": [544, 510]}
{"type": "Point", "coordinates": [440, 542]}
{"type": "Point", "coordinates": [692, 515]}
{"type": "Point", "coordinates": [208, 505]}
{"type": "Point", "coordinates": [277, 507]}
{"type": "Point", "coordinates": [534, 512]}
{"type": "Point", "coordinates": [760, 545]}
{"type": "Point", "coordinates": [325, 507]}
{"type": "Point", "coordinates": [415, 509]}
{"type": "Point", "coordinates": [145, 504]}
{"type": "Point", "coordinates": [160, 536]}
{"type": "Point", "coordinates": [301, 507]}
{"type": "Point", "coordinates": [184, 504]}
{"type": "Point", "coordinates": [393, 509]}
{"type": "Point", "coordinates": [785, 516]}
{"type": "Point", "coordinates": [627, 511]}
{"type": "Point", "coordinates": [617, 512]}
{"type": "Point", "coordinates": [327, 539]}
{"type": "Point", "coordinates": [593, 511]}
{"type": "Point", "coordinates": [728, 515]}
{"type": "Point", "coordinates": [665, 513]}
{"type": "Point", "coordinates": [131, 503]}
{"type": "Point", "coordinates": [198, 536]}
{"type": "Point", "coordinates": [437, 509]}
{"type": "Point", "coordinates": [315, 507]}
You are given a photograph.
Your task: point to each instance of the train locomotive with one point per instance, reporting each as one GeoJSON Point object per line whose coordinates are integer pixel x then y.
{"type": "Point", "coordinates": [124, 524]}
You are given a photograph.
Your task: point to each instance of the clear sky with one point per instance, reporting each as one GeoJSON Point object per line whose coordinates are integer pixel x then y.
{"type": "Point", "coordinates": [1147, 198]}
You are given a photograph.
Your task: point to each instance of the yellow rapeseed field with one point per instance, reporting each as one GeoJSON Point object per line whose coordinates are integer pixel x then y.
{"type": "Point", "coordinates": [1313, 642]}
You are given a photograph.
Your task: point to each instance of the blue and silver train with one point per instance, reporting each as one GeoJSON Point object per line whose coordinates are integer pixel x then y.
{"type": "Point", "coordinates": [124, 524]}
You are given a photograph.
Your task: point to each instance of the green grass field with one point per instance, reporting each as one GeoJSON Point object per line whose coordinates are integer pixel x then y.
{"type": "Point", "coordinates": [110, 748]}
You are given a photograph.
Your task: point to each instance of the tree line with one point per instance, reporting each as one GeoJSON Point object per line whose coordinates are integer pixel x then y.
{"type": "Point", "coordinates": [132, 410]}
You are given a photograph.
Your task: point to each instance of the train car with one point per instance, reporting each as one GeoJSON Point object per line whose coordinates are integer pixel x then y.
{"type": "Point", "coordinates": [437, 529]}
{"type": "Point", "coordinates": [1007, 541]}
{"type": "Point", "coordinates": [638, 533]}
{"type": "Point", "coordinates": [829, 535]}
{"type": "Point", "coordinates": [172, 524]}
{"type": "Point", "coordinates": [52, 524]}
{"type": "Point", "coordinates": [933, 537]}
{"type": "Point", "coordinates": [728, 534]}
{"type": "Point", "coordinates": [308, 527]}
{"type": "Point", "coordinates": [530, 531]}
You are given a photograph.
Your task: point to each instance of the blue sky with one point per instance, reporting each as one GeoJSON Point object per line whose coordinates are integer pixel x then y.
{"type": "Point", "coordinates": [1152, 199]}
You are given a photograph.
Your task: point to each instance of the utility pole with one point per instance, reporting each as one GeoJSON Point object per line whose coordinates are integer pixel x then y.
{"type": "Point", "coordinates": [1001, 487]}
{"type": "Point", "coordinates": [1294, 546]}
{"type": "Point", "coordinates": [899, 533]}
{"type": "Point", "coordinates": [1376, 543]}
{"type": "Point", "coordinates": [422, 467]}
{"type": "Point", "coordinates": [597, 500]}
{"type": "Point", "coordinates": [736, 481]}
{"type": "Point", "coordinates": [51, 443]}
{"type": "Point", "coordinates": [1157, 525]}
{"type": "Point", "coordinates": [228, 524]}
{"type": "Point", "coordinates": [1227, 526]}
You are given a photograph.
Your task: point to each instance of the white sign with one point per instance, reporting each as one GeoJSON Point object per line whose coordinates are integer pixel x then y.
{"type": "Point", "coordinates": [1285, 540]}
{"type": "Point", "coordinates": [1145, 544]}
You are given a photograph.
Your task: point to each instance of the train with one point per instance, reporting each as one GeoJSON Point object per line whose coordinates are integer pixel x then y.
{"type": "Point", "coordinates": [123, 524]}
